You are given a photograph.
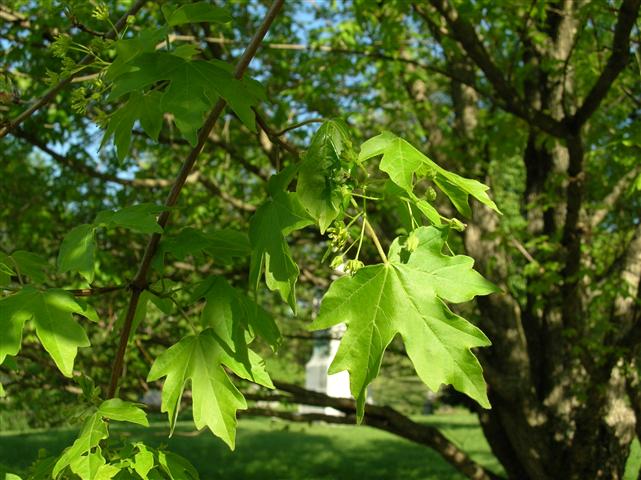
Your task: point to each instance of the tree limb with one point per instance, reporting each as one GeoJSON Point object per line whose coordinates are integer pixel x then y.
{"type": "Point", "coordinates": [463, 32]}
{"type": "Point", "coordinates": [390, 420]}
{"type": "Point", "coordinates": [613, 197]}
{"type": "Point", "coordinates": [628, 14]}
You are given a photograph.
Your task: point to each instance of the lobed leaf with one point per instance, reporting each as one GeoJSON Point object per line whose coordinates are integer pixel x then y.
{"type": "Point", "coordinates": [77, 252]}
{"type": "Point", "coordinates": [195, 13]}
{"type": "Point", "coordinates": [403, 163]}
{"type": "Point", "coordinates": [119, 410]}
{"type": "Point", "coordinates": [51, 313]}
{"type": "Point", "coordinates": [406, 297]}
{"type": "Point", "coordinates": [215, 399]}
{"type": "Point", "coordinates": [276, 218]}
{"type": "Point", "coordinates": [137, 218]}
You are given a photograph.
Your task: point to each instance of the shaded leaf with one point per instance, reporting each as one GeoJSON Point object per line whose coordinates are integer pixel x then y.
{"type": "Point", "coordinates": [138, 218]}
{"type": "Point", "coordinates": [323, 172]}
{"type": "Point", "coordinates": [77, 252]}
{"type": "Point", "coordinates": [30, 264]}
{"type": "Point", "coordinates": [222, 245]}
{"type": "Point", "coordinates": [195, 13]}
{"type": "Point", "coordinates": [273, 220]}
{"type": "Point", "coordinates": [177, 467]}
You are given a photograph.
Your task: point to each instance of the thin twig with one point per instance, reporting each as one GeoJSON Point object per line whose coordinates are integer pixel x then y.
{"type": "Point", "coordinates": [298, 125]}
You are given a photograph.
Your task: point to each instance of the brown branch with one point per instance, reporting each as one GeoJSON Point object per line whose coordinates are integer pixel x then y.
{"type": "Point", "coordinates": [613, 197]}
{"type": "Point", "coordinates": [139, 283]}
{"type": "Point", "coordinates": [85, 169]}
{"type": "Point", "coordinates": [298, 125]}
{"type": "Point", "coordinates": [463, 32]}
{"type": "Point", "coordinates": [12, 16]}
{"type": "Point", "coordinates": [53, 91]}
{"type": "Point", "coordinates": [235, 202]}
{"type": "Point", "coordinates": [619, 57]}
{"type": "Point", "coordinates": [299, 417]}
{"type": "Point", "coordinates": [378, 55]}
{"type": "Point", "coordinates": [274, 137]}
{"type": "Point", "coordinates": [390, 420]}
{"type": "Point", "coordinates": [81, 167]}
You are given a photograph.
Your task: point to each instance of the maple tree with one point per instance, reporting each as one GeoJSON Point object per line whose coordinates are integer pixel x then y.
{"type": "Point", "coordinates": [525, 98]}
{"type": "Point", "coordinates": [156, 83]}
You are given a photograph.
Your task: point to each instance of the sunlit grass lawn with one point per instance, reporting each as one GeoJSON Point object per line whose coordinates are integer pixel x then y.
{"type": "Point", "coordinates": [273, 449]}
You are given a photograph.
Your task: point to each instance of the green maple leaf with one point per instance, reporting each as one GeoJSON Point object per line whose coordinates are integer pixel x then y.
{"type": "Point", "coordinates": [222, 245]}
{"type": "Point", "coordinates": [78, 251]}
{"type": "Point", "coordinates": [93, 466]}
{"type": "Point", "coordinates": [143, 108]}
{"type": "Point", "coordinates": [320, 176]}
{"type": "Point", "coordinates": [51, 313]}
{"type": "Point", "coordinates": [137, 218]}
{"type": "Point", "coordinates": [93, 431]}
{"type": "Point", "coordinates": [402, 162]}
{"type": "Point", "coordinates": [30, 264]}
{"type": "Point", "coordinates": [215, 399]}
{"type": "Point", "coordinates": [121, 411]}
{"type": "Point", "coordinates": [407, 296]}
{"type": "Point", "coordinates": [7, 269]}
{"type": "Point", "coordinates": [176, 467]}
{"type": "Point", "coordinates": [81, 457]}
{"type": "Point", "coordinates": [236, 317]}
{"type": "Point", "coordinates": [195, 13]}
{"type": "Point", "coordinates": [194, 86]}
{"type": "Point", "coordinates": [273, 220]}
{"type": "Point", "coordinates": [129, 48]}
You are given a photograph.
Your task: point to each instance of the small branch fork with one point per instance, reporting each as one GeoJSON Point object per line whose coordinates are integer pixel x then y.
{"type": "Point", "coordinates": [139, 283]}
{"type": "Point", "coordinates": [53, 91]}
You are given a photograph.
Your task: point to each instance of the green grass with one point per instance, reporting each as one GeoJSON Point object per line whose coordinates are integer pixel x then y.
{"type": "Point", "coordinates": [273, 449]}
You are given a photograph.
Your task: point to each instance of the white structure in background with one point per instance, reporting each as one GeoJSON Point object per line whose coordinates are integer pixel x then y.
{"type": "Point", "coordinates": [316, 377]}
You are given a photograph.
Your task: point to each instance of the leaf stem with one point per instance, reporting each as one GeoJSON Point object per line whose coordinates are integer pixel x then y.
{"type": "Point", "coordinates": [372, 234]}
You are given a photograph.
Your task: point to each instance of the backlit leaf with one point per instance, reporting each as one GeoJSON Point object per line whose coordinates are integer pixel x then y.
{"type": "Point", "coordinates": [402, 162]}
{"type": "Point", "coordinates": [51, 313]}
{"type": "Point", "coordinates": [406, 296]}
{"type": "Point", "coordinates": [117, 409]}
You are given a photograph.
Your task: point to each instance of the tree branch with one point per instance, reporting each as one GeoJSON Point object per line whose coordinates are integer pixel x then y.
{"type": "Point", "coordinates": [81, 167]}
{"type": "Point", "coordinates": [53, 91]}
{"type": "Point", "coordinates": [628, 14]}
{"type": "Point", "coordinates": [613, 197]}
{"type": "Point", "coordinates": [463, 32]}
{"type": "Point", "coordinates": [139, 283]}
{"type": "Point", "coordinates": [390, 420]}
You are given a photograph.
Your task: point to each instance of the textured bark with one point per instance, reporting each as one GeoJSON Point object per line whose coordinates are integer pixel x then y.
{"type": "Point", "coordinates": [558, 411]}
